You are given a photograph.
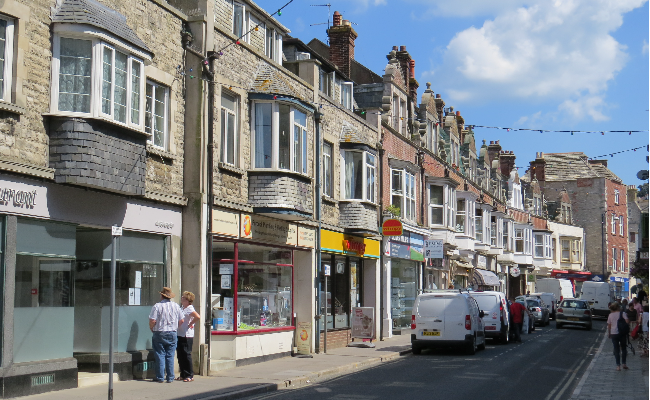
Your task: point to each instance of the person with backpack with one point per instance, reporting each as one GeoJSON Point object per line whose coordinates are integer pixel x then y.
{"type": "Point", "coordinates": [617, 329]}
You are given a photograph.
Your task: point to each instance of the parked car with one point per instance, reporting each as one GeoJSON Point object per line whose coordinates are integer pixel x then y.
{"type": "Point", "coordinates": [496, 315]}
{"type": "Point", "coordinates": [550, 300]}
{"type": "Point", "coordinates": [447, 319]}
{"type": "Point", "coordinates": [574, 312]}
{"type": "Point", "coordinates": [537, 306]}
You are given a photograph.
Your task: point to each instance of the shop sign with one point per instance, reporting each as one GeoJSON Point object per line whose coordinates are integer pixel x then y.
{"type": "Point", "coordinates": [303, 337]}
{"type": "Point", "coordinates": [306, 236]}
{"type": "Point", "coordinates": [354, 247]}
{"type": "Point", "coordinates": [19, 198]}
{"type": "Point", "coordinates": [338, 243]}
{"type": "Point", "coordinates": [618, 279]}
{"type": "Point", "coordinates": [433, 249]}
{"type": "Point", "coordinates": [399, 250]}
{"type": "Point", "coordinates": [268, 230]}
{"type": "Point", "coordinates": [392, 227]}
{"type": "Point", "coordinates": [225, 223]}
{"type": "Point", "coordinates": [408, 245]}
{"type": "Point", "coordinates": [363, 322]}
{"type": "Point", "coordinates": [515, 272]}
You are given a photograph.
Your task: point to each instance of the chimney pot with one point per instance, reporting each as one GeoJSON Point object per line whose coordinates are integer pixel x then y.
{"type": "Point", "coordinates": [437, 95]}
{"type": "Point", "coordinates": [395, 48]}
{"type": "Point", "coordinates": [458, 113]}
{"type": "Point", "coordinates": [337, 18]}
{"type": "Point", "coordinates": [346, 22]}
{"type": "Point", "coordinates": [402, 48]}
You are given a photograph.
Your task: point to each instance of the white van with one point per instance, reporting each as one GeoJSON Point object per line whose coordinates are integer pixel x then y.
{"type": "Point", "coordinates": [561, 288]}
{"type": "Point", "coordinates": [599, 295]}
{"type": "Point", "coordinates": [496, 316]}
{"type": "Point", "coordinates": [445, 319]}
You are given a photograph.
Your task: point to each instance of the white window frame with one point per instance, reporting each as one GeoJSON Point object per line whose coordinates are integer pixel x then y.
{"type": "Point", "coordinates": [224, 126]}
{"type": "Point", "coordinates": [347, 96]}
{"type": "Point", "coordinates": [328, 163]}
{"type": "Point", "coordinates": [99, 41]}
{"type": "Point", "coordinates": [241, 36]}
{"type": "Point", "coordinates": [519, 237]}
{"type": "Point", "coordinates": [528, 235]}
{"type": "Point", "coordinates": [614, 259]}
{"type": "Point", "coordinates": [506, 236]}
{"type": "Point", "coordinates": [616, 196]}
{"type": "Point", "coordinates": [7, 78]}
{"type": "Point", "coordinates": [622, 251]}
{"type": "Point", "coordinates": [407, 197]}
{"type": "Point", "coordinates": [275, 139]}
{"type": "Point", "coordinates": [274, 53]}
{"type": "Point", "coordinates": [479, 226]}
{"type": "Point", "coordinates": [621, 225]}
{"type": "Point", "coordinates": [396, 113]}
{"type": "Point", "coordinates": [548, 254]}
{"type": "Point", "coordinates": [448, 211]}
{"type": "Point", "coordinates": [368, 177]}
{"type": "Point", "coordinates": [155, 87]}
{"type": "Point", "coordinates": [467, 227]}
{"type": "Point", "coordinates": [538, 245]}
{"type": "Point", "coordinates": [403, 117]}
{"type": "Point", "coordinates": [576, 250]}
{"type": "Point", "coordinates": [614, 219]}
{"type": "Point", "coordinates": [326, 82]}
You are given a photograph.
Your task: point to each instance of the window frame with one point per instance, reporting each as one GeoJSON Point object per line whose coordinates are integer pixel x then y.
{"type": "Point", "coordinates": [99, 41]}
{"type": "Point", "coordinates": [448, 211]}
{"type": "Point", "coordinates": [614, 259]}
{"type": "Point", "coordinates": [622, 252]}
{"type": "Point", "coordinates": [576, 250]}
{"type": "Point", "coordinates": [408, 200]}
{"type": "Point", "coordinates": [538, 244]}
{"type": "Point", "coordinates": [166, 125]}
{"type": "Point", "coordinates": [9, 58]}
{"type": "Point", "coordinates": [566, 248]}
{"type": "Point", "coordinates": [224, 136]}
{"type": "Point", "coordinates": [614, 219]}
{"type": "Point", "coordinates": [368, 172]}
{"type": "Point", "coordinates": [616, 196]}
{"type": "Point", "coordinates": [328, 164]}
{"type": "Point", "coordinates": [347, 90]}
{"type": "Point", "coordinates": [275, 53]}
{"type": "Point", "coordinates": [621, 227]}
{"type": "Point", "coordinates": [275, 139]}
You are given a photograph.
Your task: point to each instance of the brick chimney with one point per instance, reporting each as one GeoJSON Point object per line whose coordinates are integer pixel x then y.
{"type": "Point", "coordinates": [342, 38]}
{"type": "Point", "coordinates": [405, 59]}
{"type": "Point", "coordinates": [538, 167]}
{"type": "Point", "coordinates": [493, 150]}
{"type": "Point", "coordinates": [506, 162]}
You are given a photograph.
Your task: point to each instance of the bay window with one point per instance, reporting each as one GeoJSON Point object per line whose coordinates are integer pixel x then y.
{"type": "Point", "coordinates": [229, 136]}
{"type": "Point", "coordinates": [575, 252]}
{"type": "Point", "coordinates": [566, 250]}
{"type": "Point", "coordinates": [461, 215]}
{"type": "Point", "coordinates": [359, 175]}
{"type": "Point", "coordinates": [442, 205]}
{"type": "Point", "coordinates": [539, 245]}
{"type": "Point", "coordinates": [506, 235]}
{"type": "Point", "coordinates": [6, 57]}
{"type": "Point", "coordinates": [403, 192]}
{"type": "Point", "coordinates": [494, 232]}
{"type": "Point", "coordinates": [283, 144]}
{"type": "Point", "coordinates": [478, 223]}
{"type": "Point", "coordinates": [115, 92]}
{"type": "Point", "coordinates": [528, 241]}
{"type": "Point", "coordinates": [548, 250]}
{"type": "Point", "coordinates": [519, 240]}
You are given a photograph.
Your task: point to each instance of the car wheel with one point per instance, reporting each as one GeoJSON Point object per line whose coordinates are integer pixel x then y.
{"type": "Point", "coordinates": [417, 350]}
{"type": "Point", "coordinates": [471, 348]}
{"type": "Point", "coordinates": [558, 325]}
{"type": "Point", "coordinates": [588, 327]}
{"type": "Point", "coordinates": [548, 320]}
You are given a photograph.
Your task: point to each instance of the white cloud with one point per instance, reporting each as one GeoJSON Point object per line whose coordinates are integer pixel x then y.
{"type": "Point", "coordinates": [560, 51]}
{"type": "Point", "coordinates": [362, 5]}
{"type": "Point", "coordinates": [644, 47]}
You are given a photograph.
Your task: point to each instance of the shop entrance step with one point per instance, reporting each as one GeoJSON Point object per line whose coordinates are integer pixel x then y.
{"type": "Point", "coordinates": [86, 379]}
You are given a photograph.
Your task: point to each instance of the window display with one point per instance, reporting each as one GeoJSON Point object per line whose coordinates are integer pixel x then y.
{"type": "Point", "coordinates": [403, 291]}
{"type": "Point", "coordinates": [343, 290]}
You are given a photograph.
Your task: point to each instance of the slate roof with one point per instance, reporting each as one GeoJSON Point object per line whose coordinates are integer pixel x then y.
{"type": "Point", "coordinates": [268, 80]}
{"type": "Point", "coordinates": [89, 12]}
{"type": "Point", "coordinates": [571, 166]}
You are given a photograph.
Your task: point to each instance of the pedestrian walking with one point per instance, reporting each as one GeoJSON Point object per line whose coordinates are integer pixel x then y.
{"type": "Point", "coordinates": [633, 316]}
{"type": "Point", "coordinates": [616, 331]}
{"type": "Point", "coordinates": [637, 305]}
{"type": "Point", "coordinates": [164, 320]}
{"type": "Point", "coordinates": [186, 338]}
{"type": "Point", "coordinates": [517, 311]}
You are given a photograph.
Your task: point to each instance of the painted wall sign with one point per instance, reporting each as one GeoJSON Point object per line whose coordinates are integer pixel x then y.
{"type": "Point", "coordinates": [306, 237]}
{"type": "Point", "coordinates": [225, 222]}
{"type": "Point", "coordinates": [268, 230]}
{"type": "Point", "coordinates": [392, 227]}
{"type": "Point", "coordinates": [18, 198]}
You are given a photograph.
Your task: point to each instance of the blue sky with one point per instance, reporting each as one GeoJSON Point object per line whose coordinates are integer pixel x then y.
{"type": "Point", "coordinates": [536, 64]}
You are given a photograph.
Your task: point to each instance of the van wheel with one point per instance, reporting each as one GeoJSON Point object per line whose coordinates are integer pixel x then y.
{"type": "Point", "coordinates": [471, 348]}
{"type": "Point", "coordinates": [417, 350]}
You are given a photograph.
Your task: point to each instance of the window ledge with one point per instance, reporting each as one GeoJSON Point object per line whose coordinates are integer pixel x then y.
{"type": "Point", "coordinates": [370, 203]}
{"type": "Point", "coordinates": [95, 118]}
{"type": "Point", "coordinates": [270, 171]}
{"type": "Point", "coordinates": [231, 168]}
{"type": "Point", "coordinates": [12, 108]}
{"type": "Point", "coordinates": [328, 199]}
{"type": "Point", "coordinates": [157, 151]}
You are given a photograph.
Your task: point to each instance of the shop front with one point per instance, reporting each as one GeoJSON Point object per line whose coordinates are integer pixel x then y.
{"type": "Point", "coordinates": [57, 275]}
{"type": "Point", "coordinates": [621, 286]}
{"type": "Point", "coordinates": [353, 265]}
{"type": "Point", "coordinates": [256, 262]}
{"type": "Point", "coordinates": [436, 272]}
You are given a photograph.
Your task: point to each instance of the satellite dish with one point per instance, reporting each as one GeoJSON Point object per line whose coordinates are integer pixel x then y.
{"type": "Point", "coordinates": [643, 174]}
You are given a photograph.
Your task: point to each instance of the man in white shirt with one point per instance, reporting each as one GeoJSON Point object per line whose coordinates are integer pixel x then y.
{"type": "Point", "coordinates": [164, 320]}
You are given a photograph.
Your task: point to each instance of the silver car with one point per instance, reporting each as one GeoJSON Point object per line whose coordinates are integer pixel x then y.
{"type": "Point", "coordinates": [573, 312]}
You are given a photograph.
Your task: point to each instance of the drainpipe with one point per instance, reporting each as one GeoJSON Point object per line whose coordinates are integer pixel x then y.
{"type": "Point", "coordinates": [381, 252]}
{"type": "Point", "coordinates": [317, 118]}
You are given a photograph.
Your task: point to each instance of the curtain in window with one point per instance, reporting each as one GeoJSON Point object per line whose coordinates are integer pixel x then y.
{"type": "Point", "coordinates": [74, 75]}
{"type": "Point", "coordinates": [135, 92]}
{"type": "Point", "coordinates": [238, 20]}
{"type": "Point", "coordinates": [284, 137]}
{"type": "Point", "coordinates": [353, 175]}
{"type": "Point", "coordinates": [263, 135]}
{"type": "Point", "coordinates": [370, 177]}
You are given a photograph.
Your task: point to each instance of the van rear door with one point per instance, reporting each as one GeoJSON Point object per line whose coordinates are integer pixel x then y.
{"type": "Point", "coordinates": [455, 311]}
{"type": "Point", "coordinates": [430, 316]}
{"type": "Point", "coordinates": [489, 304]}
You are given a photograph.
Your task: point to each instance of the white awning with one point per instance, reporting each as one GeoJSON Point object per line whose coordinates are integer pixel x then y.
{"type": "Point", "coordinates": [483, 277]}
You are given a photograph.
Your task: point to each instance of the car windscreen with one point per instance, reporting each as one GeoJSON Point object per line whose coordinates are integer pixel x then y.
{"type": "Point", "coordinates": [574, 304]}
{"type": "Point", "coordinates": [532, 303]}
{"type": "Point", "coordinates": [486, 302]}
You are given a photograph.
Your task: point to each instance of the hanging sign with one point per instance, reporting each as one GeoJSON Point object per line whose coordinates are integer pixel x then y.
{"type": "Point", "coordinates": [515, 272]}
{"type": "Point", "coordinates": [392, 227]}
{"type": "Point", "coordinates": [433, 249]}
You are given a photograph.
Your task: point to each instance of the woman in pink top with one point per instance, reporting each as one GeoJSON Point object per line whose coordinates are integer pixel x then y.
{"type": "Point", "coordinates": [618, 340]}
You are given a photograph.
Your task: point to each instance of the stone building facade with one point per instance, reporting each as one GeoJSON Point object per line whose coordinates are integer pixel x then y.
{"type": "Point", "coordinates": [91, 128]}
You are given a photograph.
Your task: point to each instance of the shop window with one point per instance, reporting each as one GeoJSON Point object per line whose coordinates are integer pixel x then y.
{"type": "Point", "coordinates": [259, 289]}
{"type": "Point", "coordinates": [566, 250]}
{"type": "Point", "coordinates": [6, 57]}
{"type": "Point", "coordinates": [359, 175]}
{"type": "Point", "coordinates": [156, 119]}
{"type": "Point", "coordinates": [403, 193]}
{"type": "Point", "coordinates": [403, 291]}
{"type": "Point", "coordinates": [229, 128]}
{"type": "Point", "coordinates": [280, 145]}
{"type": "Point", "coordinates": [328, 168]}
{"type": "Point", "coordinates": [43, 282]}
{"type": "Point", "coordinates": [343, 290]}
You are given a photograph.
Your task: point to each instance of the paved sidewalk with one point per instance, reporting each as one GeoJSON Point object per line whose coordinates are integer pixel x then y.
{"type": "Point", "coordinates": [601, 380]}
{"type": "Point", "coordinates": [248, 380]}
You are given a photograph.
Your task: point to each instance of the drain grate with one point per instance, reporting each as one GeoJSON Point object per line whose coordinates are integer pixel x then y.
{"type": "Point", "coordinates": [41, 380]}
